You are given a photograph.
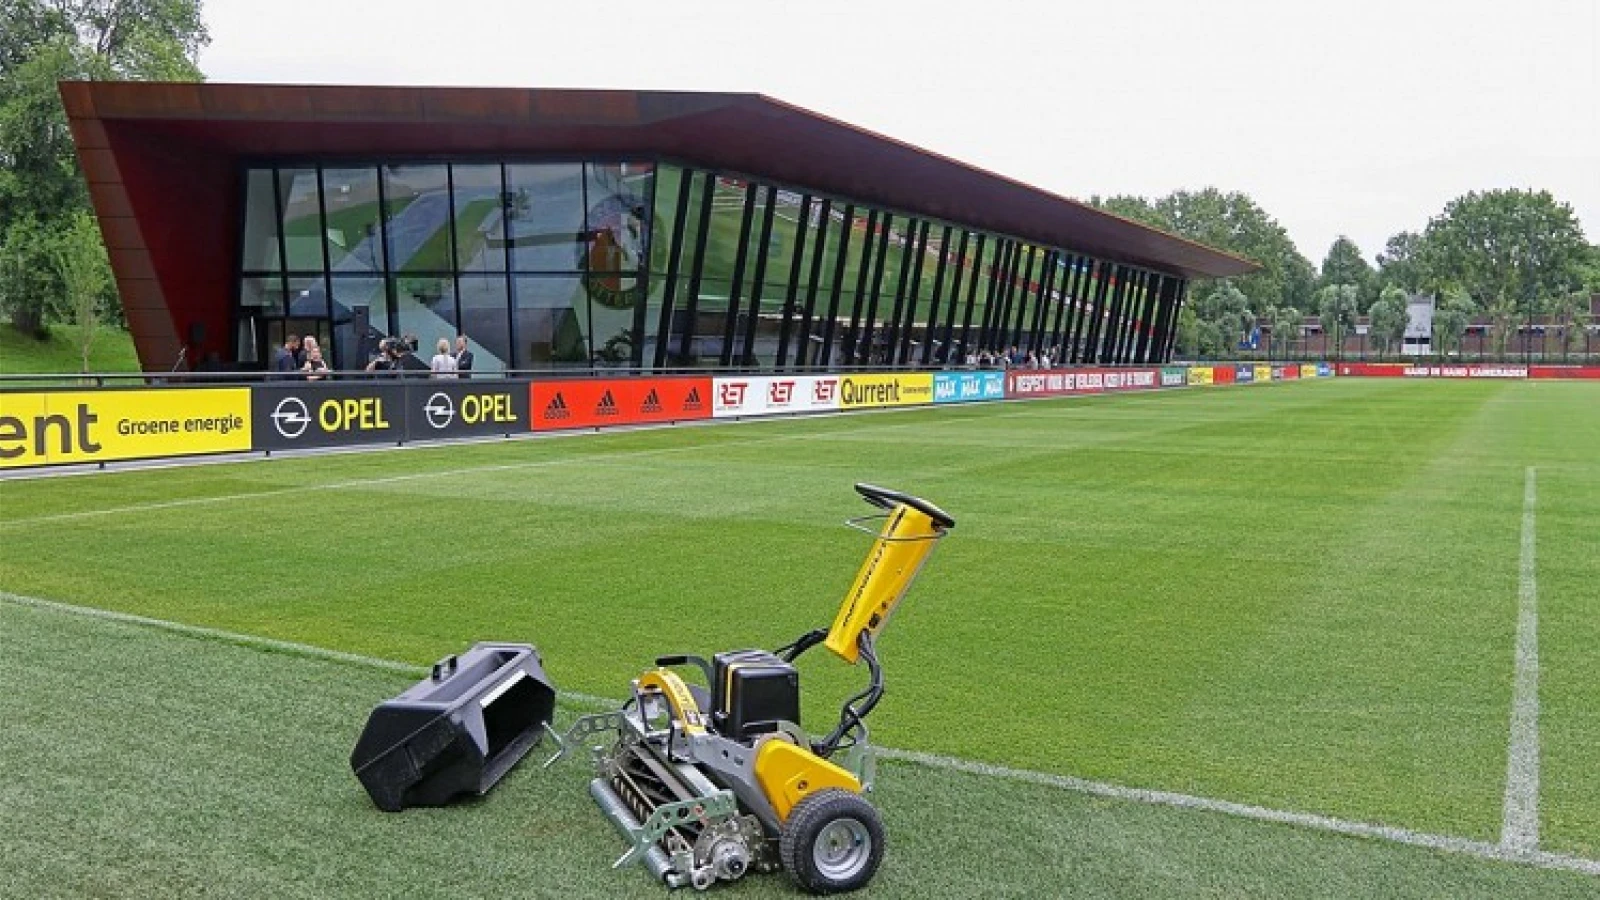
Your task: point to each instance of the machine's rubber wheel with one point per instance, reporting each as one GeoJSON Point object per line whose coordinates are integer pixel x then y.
{"type": "Point", "coordinates": [833, 842]}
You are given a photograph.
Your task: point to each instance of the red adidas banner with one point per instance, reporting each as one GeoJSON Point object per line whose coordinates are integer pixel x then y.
{"type": "Point", "coordinates": [598, 402]}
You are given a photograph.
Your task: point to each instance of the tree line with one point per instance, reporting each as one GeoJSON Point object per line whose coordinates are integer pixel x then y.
{"type": "Point", "coordinates": [1500, 255]}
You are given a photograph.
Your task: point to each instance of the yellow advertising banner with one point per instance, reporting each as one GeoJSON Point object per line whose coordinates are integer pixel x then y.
{"type": "Point", "coordinates": [1308, 370]}
{"type": "Point", "coordinates": [1263, 373]}
{"type": "Point", "coordinates": [53, 428]}
{"type": "Point", "coordinates": [865, 391]}
{"type": "Point", "coordinates": [1200, 375]}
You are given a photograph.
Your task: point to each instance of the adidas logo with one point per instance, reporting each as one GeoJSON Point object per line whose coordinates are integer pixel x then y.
{"type": "Point", "coordinates": [607, 405]}
{"type": "Point", "coordinates": [557, 408]}
{"type": "Point", "coordinates": [692, 402]}
{"type": "Point", "coordinates": [652, 403]}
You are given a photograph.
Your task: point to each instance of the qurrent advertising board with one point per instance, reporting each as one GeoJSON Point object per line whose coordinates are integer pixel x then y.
{"type": "Point", "coordinates": [967, 387]}
{"type": "Point", "coordinates": [53, 428]}
{"type": "Point", "coordinates": [1200, 375]}
{"type": "Point", "coordinates": [1308, 370]}
{"type": "Point", "coordinates": [773, 395]}
{"type": "Point", "coordinates": [874, 391]}
{"type": "Point", "coordinates": [1263, 373]}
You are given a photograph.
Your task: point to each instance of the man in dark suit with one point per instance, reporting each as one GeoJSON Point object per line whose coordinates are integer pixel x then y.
{"type": "Point", "coordinates": [463, 357]}
{"type": "Point", "coordinates": [286, 360]}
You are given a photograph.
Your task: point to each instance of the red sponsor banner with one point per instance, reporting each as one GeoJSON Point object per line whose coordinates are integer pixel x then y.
{"type": "Point", "coordinates": [1285, 373]}
{"type": "Point", "coordinates": [1064, 382]}
{"type": "Point", "coordinates": [1564, 371]}
{"type": "Point", "coordinates": [1375, 370]}
{"type": "Point", "coordinates": [598, 402]}
{"type": "Point", "coordinates": [1224, 375]}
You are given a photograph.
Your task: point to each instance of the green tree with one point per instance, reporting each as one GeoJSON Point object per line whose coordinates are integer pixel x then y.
{"type": "Point", "coordinates": [1336, 309]}
{"type": "Point", "coordinates": [80, 260]}
{"type": "Point", "coordinates": [1226, 310]}
{"type": "Point", "coordinates": [1286, 323]}
{"type": "Point", "coordinates": [1187, 338]}
{"type": "Point", "coordinates": [1506, 248]}
{"type": "Point", "coordinates": [1569, 313]}
{"type": "Point", "coordinates": [1400, 263]}
{"type": "Point", "coordinates": [1235, 223]}
{"type": "Point", "coordinates": [1344, 264]}
{"type": "Point", "coordinates": [1450, 320]}
{"type": "Point", "coordinates": [44, 42]}
{"type": "Point", "coordinates": [1388, 320]}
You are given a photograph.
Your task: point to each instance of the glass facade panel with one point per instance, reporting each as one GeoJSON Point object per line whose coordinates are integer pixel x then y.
{"type": "Point", "coordinates": [302, 219]}
{"type": "Point", "coordinates": [485, 320]}
{"type": "Point", "coordinates": [544, 217]}
{"type": "Point", "coordinates": [425, 306]}
{"type": "Point", "coordinates": [260, 249]}
{"type": "Point", "coordinates": [572, 265]}
{"type": "Point", "coordinates": [480, 240]}
{"type": "Point", "coordinates": [416, 218]}
{"type": "Point", "coordinates": [354, 226]}
{"type": "Point", "coordinates": [358, 299]}
{"type": "Point", "coordinates": [550, 321]}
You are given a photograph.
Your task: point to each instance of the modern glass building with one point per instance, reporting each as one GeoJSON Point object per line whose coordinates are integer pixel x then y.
{"type": "Point", "coordinates": [578, 229]}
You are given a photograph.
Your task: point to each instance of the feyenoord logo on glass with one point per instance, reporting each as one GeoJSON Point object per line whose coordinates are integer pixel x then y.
{"type": "Point", "coordinates": [615, 250]}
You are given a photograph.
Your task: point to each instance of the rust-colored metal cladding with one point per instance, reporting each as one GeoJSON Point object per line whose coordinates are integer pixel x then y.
{"type": "Point", "coordinates": [163, 163]}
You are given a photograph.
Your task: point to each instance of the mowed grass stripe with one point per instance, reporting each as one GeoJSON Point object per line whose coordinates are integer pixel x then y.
{"type": "Point", "coordinates": [1209, 592]}
{"type": "Point", "coordinates": [163, 765]}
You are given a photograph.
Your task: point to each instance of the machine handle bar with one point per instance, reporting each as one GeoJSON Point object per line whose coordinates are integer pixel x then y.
{"type": "Point", "coordinates": [884, 498]}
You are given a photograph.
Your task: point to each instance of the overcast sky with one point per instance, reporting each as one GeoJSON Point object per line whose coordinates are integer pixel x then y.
{"type": "Point", "coordinates": [1361, 117]}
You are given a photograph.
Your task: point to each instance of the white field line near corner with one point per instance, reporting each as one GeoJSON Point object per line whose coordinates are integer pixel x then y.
{"type": "Point", "coordinates": [1519, 828]}
{"type": "Point", "coordinates": [1439, 842]}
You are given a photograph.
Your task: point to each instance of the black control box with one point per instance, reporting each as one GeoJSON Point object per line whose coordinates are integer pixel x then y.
{"type": "Point", "coordinates": [751, 691]}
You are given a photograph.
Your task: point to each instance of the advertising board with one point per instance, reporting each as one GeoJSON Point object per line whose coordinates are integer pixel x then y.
{"type": "Point", "coordinates": [1564, 371]}
{"type": "Point", "coordinates": [874, 391]}
{"type": "Point", "coordinates": [289, 416]}
{"type": "Point", "coordinates": [1324, 370]}
{"type": "Point", "coordinates": [598, 402]}
{"type": "Point", "coordinates": [772, 395]}
{"type": "Point", "coordinates": [1079, 381]}
{"type": "Point", "coordinates": [1263, 373]}
{"type": "Point", "coordinates": [54, 428]}
{"type": "Point", "coordinates": [1174, 376]}
{"type": "Point", "coordinates": [449, 409]}
{"type": "Point", "coordinates": [966, 387]}
{"type": "Point", "coordinates": [1244, 374]}
{"type": "Point", "coordinates": [1308, 370]}
{"type": "Point", "coordinates": [1200, 375]}
{"type": "Point", "coordinates": [1224, 374]}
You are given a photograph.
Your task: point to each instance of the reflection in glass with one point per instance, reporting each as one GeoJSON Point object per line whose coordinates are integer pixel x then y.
{"type": "Point", "coordinates": [263, 294]}
{"type": "Point", "coordinates": [551, 322]}
{"type": "Point", "coordinates": [416, 218]}
{"type": "Point", "coordinates": [260, 249]}
{"type": "Point", "coordinates": [485, 321]}
{"type": "Point", "coordinates": [354, 238]}
{"type": "Point", "coordinates": [425, 306]}
{"type": "Point", "coordinates": [544, 214]}
{"type": "Point", "coordinates": [357, 299]}
{"type": "Point", "coordinates": [302, 219]}
{"type": "Point", "coordinates": [479, 222]}
{"type": "Point", "coordinates": [618, 221]}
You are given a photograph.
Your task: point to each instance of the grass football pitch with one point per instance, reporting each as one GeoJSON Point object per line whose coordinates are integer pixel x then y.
{"type": "Point", "coordinates": [1303, 597]}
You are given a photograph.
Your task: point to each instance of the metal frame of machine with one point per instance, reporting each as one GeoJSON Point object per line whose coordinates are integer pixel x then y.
{"type": "Point", "coordinates": [709, 783]}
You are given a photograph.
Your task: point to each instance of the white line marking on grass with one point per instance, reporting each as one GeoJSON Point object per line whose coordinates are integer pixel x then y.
{"type": "Point", "coordinates": [1446, 843]}
{"type": "Point", "coordinates": [1519, 829]}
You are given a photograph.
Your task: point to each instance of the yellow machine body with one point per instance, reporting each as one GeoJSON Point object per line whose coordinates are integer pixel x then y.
{"type": "Point", "coordinates": [908, 536]}
{"type": "Point", "coordinates": [684, 708]}
{"type": "Point", "coordinates": [788, 774]}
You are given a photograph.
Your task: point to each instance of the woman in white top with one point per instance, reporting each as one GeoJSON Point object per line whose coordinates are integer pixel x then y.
{"type": "Point", "coordinates": [443, 364]}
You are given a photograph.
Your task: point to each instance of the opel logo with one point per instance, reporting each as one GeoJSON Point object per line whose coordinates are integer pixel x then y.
{"type": "Point", "coordinates": [439, 410]}
{"type": "Point", "coordinates": [291, 418]}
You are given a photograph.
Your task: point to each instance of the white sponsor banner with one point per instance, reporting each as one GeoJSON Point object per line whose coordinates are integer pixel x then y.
{"type": "Point", "coordinates": [772, 395]}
